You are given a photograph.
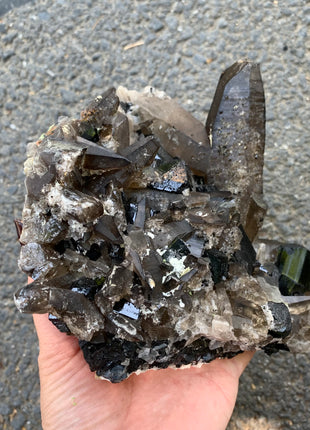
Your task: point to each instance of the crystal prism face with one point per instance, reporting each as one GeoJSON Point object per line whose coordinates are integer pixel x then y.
{"type": "Point", "coordinates": [138, 225]}
{"type": "Point", "coordinates": [293, 263]}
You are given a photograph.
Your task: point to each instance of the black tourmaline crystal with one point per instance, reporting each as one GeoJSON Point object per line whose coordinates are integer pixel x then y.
{"type": "Point", "coordinates": [138, 227]}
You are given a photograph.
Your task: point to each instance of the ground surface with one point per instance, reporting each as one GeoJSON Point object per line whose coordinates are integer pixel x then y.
{"type": "Point", "coordinates": [53, 57]}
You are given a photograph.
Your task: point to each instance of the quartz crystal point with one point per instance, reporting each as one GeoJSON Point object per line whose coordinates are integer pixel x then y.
{"type": "Point", "coordinates": [236, 129]}
{"type": "Point", "coordinates": [137, 231]}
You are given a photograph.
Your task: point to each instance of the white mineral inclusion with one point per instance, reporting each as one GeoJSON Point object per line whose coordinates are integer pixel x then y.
{"type": "Point", "coordinates": [178, 267]}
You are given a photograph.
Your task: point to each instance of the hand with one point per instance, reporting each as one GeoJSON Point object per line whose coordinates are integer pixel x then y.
{"type": "Point", "coordinates": [71, 397]}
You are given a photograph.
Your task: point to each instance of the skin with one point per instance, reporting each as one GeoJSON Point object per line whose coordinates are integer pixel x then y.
{"type": "Point", "coordinates": [71, 397]}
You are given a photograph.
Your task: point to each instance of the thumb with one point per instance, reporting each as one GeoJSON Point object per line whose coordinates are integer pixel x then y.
{"type": "Point", "coordinates": [51, 341]}
{"type": "Point", "coordinates": [238, 364]}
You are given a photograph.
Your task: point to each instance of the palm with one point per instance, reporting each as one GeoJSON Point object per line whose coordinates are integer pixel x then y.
{"type": "Point", "coordinates": [71, 397]}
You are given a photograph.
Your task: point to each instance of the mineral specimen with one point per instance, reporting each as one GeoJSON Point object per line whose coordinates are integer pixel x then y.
{"type": "Point", "coordinates": [137, 231]}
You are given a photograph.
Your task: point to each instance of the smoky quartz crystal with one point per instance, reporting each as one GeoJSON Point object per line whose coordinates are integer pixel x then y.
{"type": "Point", "coordinates": [139, 229]}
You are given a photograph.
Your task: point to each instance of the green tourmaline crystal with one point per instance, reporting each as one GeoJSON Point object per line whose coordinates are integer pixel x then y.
{"type": "Point", "coordinates": [294, 266]}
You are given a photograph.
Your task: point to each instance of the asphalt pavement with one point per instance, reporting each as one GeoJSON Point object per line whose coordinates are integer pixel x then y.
{"type": "Point", "coordinates": [54, 57]}
{"type": "Point", "coordinates": [7, 5]}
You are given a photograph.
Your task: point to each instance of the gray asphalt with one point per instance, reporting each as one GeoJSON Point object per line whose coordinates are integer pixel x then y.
{"type": "Point", "coordinates": [7, 5]}
{"type": "Point", "coordinates": [54, 57]}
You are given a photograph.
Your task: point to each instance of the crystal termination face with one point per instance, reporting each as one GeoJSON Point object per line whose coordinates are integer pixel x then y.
{"type": "Point", "coordinates": [138, 226]}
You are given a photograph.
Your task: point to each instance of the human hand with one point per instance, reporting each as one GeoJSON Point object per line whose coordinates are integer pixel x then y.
{"type": "Point", "coordinates": [71, 397]}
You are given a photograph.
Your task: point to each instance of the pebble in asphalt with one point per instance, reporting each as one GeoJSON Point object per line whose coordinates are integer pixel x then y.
{"type": "Point", "coordinates": [54, 57]}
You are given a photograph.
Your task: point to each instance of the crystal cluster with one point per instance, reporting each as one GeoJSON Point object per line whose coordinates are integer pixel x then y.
{"type": "Point", "coordinates": [138, 225]}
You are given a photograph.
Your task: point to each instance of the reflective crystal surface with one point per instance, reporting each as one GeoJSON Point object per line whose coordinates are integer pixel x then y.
{"type": "Point", "coordinates": [138, 226]}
